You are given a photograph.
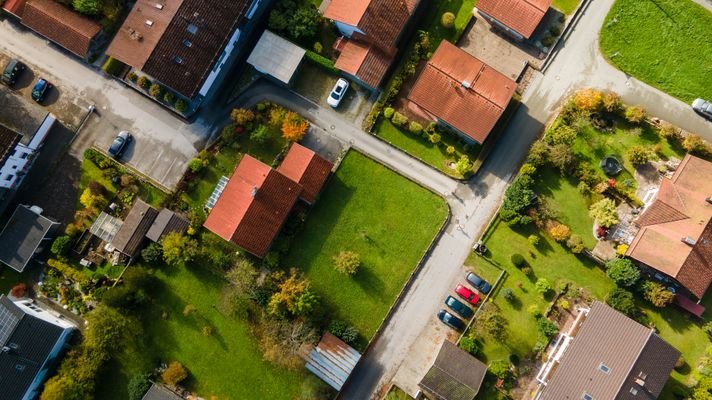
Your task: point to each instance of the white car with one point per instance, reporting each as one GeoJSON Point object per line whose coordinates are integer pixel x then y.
{"type": "Point", "coordinates": [703, 108]}
{"type": "Point", "coordinates": [338, 92]}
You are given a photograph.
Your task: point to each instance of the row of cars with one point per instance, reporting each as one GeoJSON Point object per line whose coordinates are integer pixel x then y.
{"type": "Point", "coordinates": [472, 297]}
{"type": "Point", "coordinates": [12, 72]}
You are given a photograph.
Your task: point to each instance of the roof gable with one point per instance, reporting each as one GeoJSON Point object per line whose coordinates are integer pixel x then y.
{"type": "Point", "coordinates": [61, 25]}
{"type": "Point", "coordinates": [522, 16]}
{"type": "Point", "coordinates": [131, 234]}
{"type": "Point", "coordinates": [348, 12]}
{"type": "Point", "coordinates": [306, 168]}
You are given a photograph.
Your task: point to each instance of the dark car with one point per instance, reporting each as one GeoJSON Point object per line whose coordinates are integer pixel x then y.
{"type": "Point", "coordinates": [459, 307]}
{"type": "Point", "coordinates": [471, 296]}
{"type": "Point", "coordinates": [451, 320]}
{"type": "Point", "coordinates": [12, 71]}
{"type": "Point", "coordinates": [119, 144]}
{"type": "Point", "coordinates": [40, 90]}
{"type": "Point", "coordinates": [703, 107]}
{"type": "Point", "coordinates": [482, 285]}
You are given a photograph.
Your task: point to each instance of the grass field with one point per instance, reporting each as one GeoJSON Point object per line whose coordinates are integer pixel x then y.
{"type": "Point", "coordinates": [566, 6]}
{"type": "Point", "coordinates": [432, 154]}
{"type": "Point", "coordinates": [665, 43]}
{"type": "Point", "coordinates": [226, 364]}
{"type": "Point", "coordinates": [386, 219]}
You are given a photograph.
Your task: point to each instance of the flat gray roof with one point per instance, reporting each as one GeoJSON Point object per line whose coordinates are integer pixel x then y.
{"type": "Point", "coordinates": [276, 56]}
{"type": "Point", "coordinates": [21, 237]}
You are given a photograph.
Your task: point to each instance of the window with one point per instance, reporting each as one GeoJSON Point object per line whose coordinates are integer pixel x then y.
{"type": "Point", "coordinates": [192, 29]}
{"type": "Point", "coordinates": [19, 367]}
{"type": "Point", "coordinates": [187, 43]}
{"type": "Point", "coordinates": [9, 177]}
{"type": "Point", "coordinates": [633, 391]}
{"type": "Point", "coordinates": [178, 60]}
{"type": "Point", "coordinates": [642, 375]}
{"type": "Point", "coordinates": [586, 396]}
{"type": "Point", "coordinates": [604, 368]}
{"type": "Point", "coordinates": [149, 22]}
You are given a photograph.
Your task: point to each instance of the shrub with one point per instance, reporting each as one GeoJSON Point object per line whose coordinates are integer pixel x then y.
{"type": "Point", "coordinates": [152, 254]}
{"type": "Point", "coordinates": [564, 304]}
{"type": "Point", "coordinates": [143, 82]}
{"type": "Point", "coordinates": [635, 114]}
{"type": "Point", "coordinates": [296, 20]}
{"type": "Point", "coordinates": [113, 66]}
{"type": "Point", "coordinates": [435, 139]}
{"type": "Point", "coordinates": [538, 154]}
{"type": "Point", "coordinates": [499, 368]}
{"type": "Point", "coordinates": [543, 286]}
{"type": "Point", "coordinates": [562, 157]}
{"type": "Point", "coordinates": [415, 128]}
{"type": "Point", "coordinates": [560, 232]}
{"type": "Point", "coordinates": [564, 134]}
{"type": "Point", "coordinates": [527, 169]}
{"type": "Point", "coordinates": [680, 362]}
{"type": "Point", "coordinates": [527, 271]}
{"type": "Point", "coordinates": [181, 106]}
{"type": "Point", "coordinates": [464, 165]}
{"type": "Point", "coordinates": [388, 112]}
{"type": "Point", "coordinates": [604, 212]}
{"type": "Point", "coordinates": [399, 119]}
{"type": "Point", "coordinates": [470, 345]}
{"type": "Point", "coordinates": [622, 300]}
{"type": "Point", "coordinates": [19, 290]}
{"type": "Point", "coordinates": [533, 240]}
{"type": "Point", "coordinates": [318, 48]}
{"type": "Point", "coordinates": [169, 97]}
{"type": "Point", "coordinates": [508, 294]}
{"type": "Point", "coordinates": [588, 99]}
{"type": "Point", "coordinates": [707, 328]}
{"type": "Point", "coordinates": [694, 144]}
{"type": "Point", "coordinates": [131, 76]}
{"type": "Point", "coordinates": [621, 249]}
{"type": "Point", "coordinates": [517, 260]}
{"type": "Point", "coordinates": [447, 20]}
{"type": "Point", "coordinates": [623, 272]}
{"type": "Point", "coordinates": [639, 155]}
{"type": "Point", "coordinates": [178, 249]}
{"type": "Point", "coordinates": [548, 40]}
{"type": "Point", "coordinates": [174, 374]}
{"type": "Point", "coordinates": [657, 294]}
{"type": "Point", "coordinates": [138, 386]}
{"type": "Point", "coordinates": [156, 90]}
{"type": "Point", "coordinates": [294, 296]}
{"type": "Point", "coordinates": [322, 61]}
{"type": "Point", "coordinates": [259, 135]}
{"type": "Point", "coordinates": [669, 131]}
{"type": "Point", "coordinates": [242, 116]}
{"type": "Point", "coordinates": [450, 150]}
{"type": "Point", "coordinates": [546, 327]}
{"type": "Point", "coordinates": [612, 102]}
{"type": "Point", "coordinates": [61, 246]}
{"type": "Point", "coordinates": [491, 322]}
{"type": "Point", "coordinates": [88, 7]}
{"type": "Point", "coordinates": [294, 127]}
{"type": "Point", "coordinates": [575, 244]}
{"type": "Point", "coordinates": [517, 199]}
{"type": "Point", "coordinates": [555, 30]}
{"type": "Point", "coordinates": [196, 165]}
{"type": "Point", "coordinates": [347, 262]}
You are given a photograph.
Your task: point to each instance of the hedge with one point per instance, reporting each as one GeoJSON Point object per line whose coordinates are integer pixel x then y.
{"type": "Point", "coordinates": [322, 61]}
{"type": "Point", "coordinates": [113, 66]}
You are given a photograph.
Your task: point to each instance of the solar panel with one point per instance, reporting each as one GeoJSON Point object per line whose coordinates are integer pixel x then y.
{"type": "Point", "coordinates": [219, 188]}
{"type": "Point", "coordinates": [8, 323]}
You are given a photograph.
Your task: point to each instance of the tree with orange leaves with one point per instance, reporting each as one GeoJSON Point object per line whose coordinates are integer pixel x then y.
{"type": "Point", "coordinates": [294, 127]}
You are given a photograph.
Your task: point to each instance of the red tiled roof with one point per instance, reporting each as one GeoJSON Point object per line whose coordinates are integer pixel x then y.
{"type": "Point", "coordinates": [364, 61]}
{"type": "Point", "coordinates": [253, 206]}
{"type": "Point", "coordinates": [522, 16]}
{"type": "Point", "coordinates": [61, 25]}
{"type": "Point", "coordinates": [349, 12]}
{"type": "Point", "coordinates": [462, 91]}
{"type": "Point", "coordinates": [679, 210]}
{"type": "Point", "coordinates": [308, 169]}
{"type": "Point", "coordinates": [15, 7]}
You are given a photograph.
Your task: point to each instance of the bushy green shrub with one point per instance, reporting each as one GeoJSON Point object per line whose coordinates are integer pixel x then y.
{"type": "Point", "coordinates": [156, 90]}
{"type": "Point", "coordinates": [470, 345]}
{"type": "Point", "coordinates": [517, 260]}
{"type": "Point", "coordinates": [657, 294]}
{"type": "Point", "coordinates": [464, 165]}
{"type": "Point", "coordinates": [415, 128]}
{"type": "Point", "coordinates": [546, 327]}
{"type": "Point", "coordinates": [399, 119]}
{"type": "Point", "coordinates": [113, 66]}
{"type": "Point", "coordinates": [196, 165]}
{"type": "Point", "coordinates": [543, 286]}
{"type": "Point", "coordinates": [132, 76]}
{"type": "Point", "coordinates": [623, 272]}
{"type": "Point", "coordinates": [143, 82]}
{"type": "Point", "coordinates": [447, 20]}
{"type": "Point", "coordinates": [635, 114]}
{"type": "Point", "coordinates": [435, 139]}
{"type": "Point", "coordinates": [388, 112]}
{"type": "Point", "coordinates": [604, 212]}
{"type": "Point", "coordinates": [61, 246]}
{"type": "Point", "coordinates": [533, 240]}
{"type": "Point", "coordinates": [622, 300]}
{"type": "Point", "coordinates": [181, 106]}
{"type": "Point", "coordinates": [575, 244]}
{"type": "Point", "coordinates": [169, 97]}
{"type": "Point", "coordinates": [318, 48]}
{"type": "Point", "coordinates": [639, 155]}
{"type": "Point", "coordinates": [508, 294]}
{"type": "Point", "coordinates": [322, 61]}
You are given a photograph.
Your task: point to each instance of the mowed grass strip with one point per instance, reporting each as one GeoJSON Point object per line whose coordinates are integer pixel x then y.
{"type": "Point", "coordinates": [385, 218]}
{"type": "Point", "coordinates": [665, 43]}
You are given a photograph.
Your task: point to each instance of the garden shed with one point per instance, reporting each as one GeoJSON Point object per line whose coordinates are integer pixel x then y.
{"type": "Point", "coordinates": [277, 57]}
{"type": "Point", "coordinates": [332, 360]}
{"type": "Point", "coordinates": [130, 236]}
{"type": "Point", "coordinates": [455, 375]}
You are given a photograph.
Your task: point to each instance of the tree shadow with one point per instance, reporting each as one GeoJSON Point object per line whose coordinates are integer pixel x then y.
{"type": "Point", "coordinates": [370, 283]}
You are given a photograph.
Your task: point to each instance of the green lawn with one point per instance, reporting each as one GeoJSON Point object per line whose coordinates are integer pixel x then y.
{"type": "Point", "coordinates": [432, 154]}
{"type": "Point", "coordinates": [226, 364]}
{"type": "Point", "coordinates": [566, 6]}
{"type": "Point", "coordinates": [386, 219]}
{"type": "Point", "coordinates": [665, 43]}
{"type": "Point", "coordinates": [9, 278]}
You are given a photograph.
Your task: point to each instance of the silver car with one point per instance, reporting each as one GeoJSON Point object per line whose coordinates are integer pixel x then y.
{"type": "Point", "coordinates": [703, 107]}
{"type": "Point", "coordinates": [337, 94]}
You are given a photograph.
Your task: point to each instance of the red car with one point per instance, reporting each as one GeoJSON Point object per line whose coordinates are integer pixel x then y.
{"type": "Point", "coordinates": [467, 294]}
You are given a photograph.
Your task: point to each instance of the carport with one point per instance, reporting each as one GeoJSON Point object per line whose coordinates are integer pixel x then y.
{"type": "Point", "coordinates": [276, 57]}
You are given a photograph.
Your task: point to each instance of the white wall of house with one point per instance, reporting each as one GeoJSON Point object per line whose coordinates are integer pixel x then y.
{"type": "Point", "coordinates": [14, 169]}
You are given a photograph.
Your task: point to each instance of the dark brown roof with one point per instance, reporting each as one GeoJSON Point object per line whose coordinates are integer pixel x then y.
{"type": "Point", "coordinates": [136, 40]}
{"type": "Point", "coordinates": [166, 222]}
{"type": "Point", "coordinates": [522, 16]}
{"type": "Point", "coordinates": [253, 206]}
{"type": "Point", "coordinates": [61, 25]}
{"type": "Point", "coordinates": [628, 349]}
{"type": "Point", "coordinates": [131, 234]}
{"type": "Point", "coordinates": [306, 168]}
{"type": "Point", "coordinates": [455, 374]}
{"type": "Point", "coordinates": [462, 91]}
{"type": "Point", "coordinates": [8, 140]}
{"type": "Point", "coordinates": [184, 68]}
{"type": "Point", "coordinates": [680, 210]}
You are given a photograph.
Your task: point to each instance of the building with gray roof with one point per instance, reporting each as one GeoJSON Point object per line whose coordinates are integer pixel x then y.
{"type": "Point", "coordinates": [455, 375]}
{"type": "Point", "coordinates": [26, 234]}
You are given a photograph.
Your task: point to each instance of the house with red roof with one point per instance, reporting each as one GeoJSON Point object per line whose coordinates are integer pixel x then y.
{"type": "Point", "coordinates": [518, 18]}
{"type": "Point", "coordinates": [461, 92]}
{"type": "Point", "coordinates": [371, 30]}
{"type": "Point", "coordinates": [66, 28]}
{"type": "Point", "coordinates": [257, 199]}
{"type": "Point", "coordinates": [675, 229]}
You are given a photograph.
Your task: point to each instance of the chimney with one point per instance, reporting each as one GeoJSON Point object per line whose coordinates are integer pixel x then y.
{"type": "Point", "coordinates": [640, 382]}
{"type": "Point", "coordinates": [709, 200]}
{"type": "Point", "coordinates": [688, 240]}
{"type": "Point", "coordinates": [254, 191]}
{"type": "Point", "coordinates": [466, 84]}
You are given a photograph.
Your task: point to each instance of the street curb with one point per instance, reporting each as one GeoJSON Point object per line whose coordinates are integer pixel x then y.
{"type": "Point", "coordinates": [564, 35]}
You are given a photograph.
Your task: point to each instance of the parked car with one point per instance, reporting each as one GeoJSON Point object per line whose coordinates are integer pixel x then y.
{"type": "Point", "coordinates": [118, 146]}
{"type": "Point", "coordinates": [40, 90]}
{"type": "Point", "coordinates": [703, 107]}
{"type": "Point", "coordinates": [471, 296]}
{"type": "Point", "coordinates": [12, 71]}
{"type": "Point", "coordinates": [451, 320]}
{"type": "Point", "coordinates": [480, 284]}
{"type": "Point", "coordinates": [459, 307]}
{"type": "Point", "coordinates": [338, 92]}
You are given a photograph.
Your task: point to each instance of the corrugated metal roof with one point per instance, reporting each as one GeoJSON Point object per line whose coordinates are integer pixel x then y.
{"type": "Point", "coordinates": [332, 360]}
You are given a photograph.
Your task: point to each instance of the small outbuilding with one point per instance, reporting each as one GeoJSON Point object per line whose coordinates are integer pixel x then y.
{"type": "Point", "coordinates": [166, 222]}
{"type": "Point", "coordinates": [130, 236]}
{"type": "Point", "coordinates": [276, 57]}
{"type": "Point", "coordinates": [160, 392]}
{"type": "Point", "coordinates": [24, 235]}
{"type": "Point", "coordinates": [332, 360]}
{"type": "Point", "coordinates": [455, 375]}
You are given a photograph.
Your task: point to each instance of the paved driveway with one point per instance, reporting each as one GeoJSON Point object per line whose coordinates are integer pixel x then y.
{"type": "Point", "coordinates": [164, 144]}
